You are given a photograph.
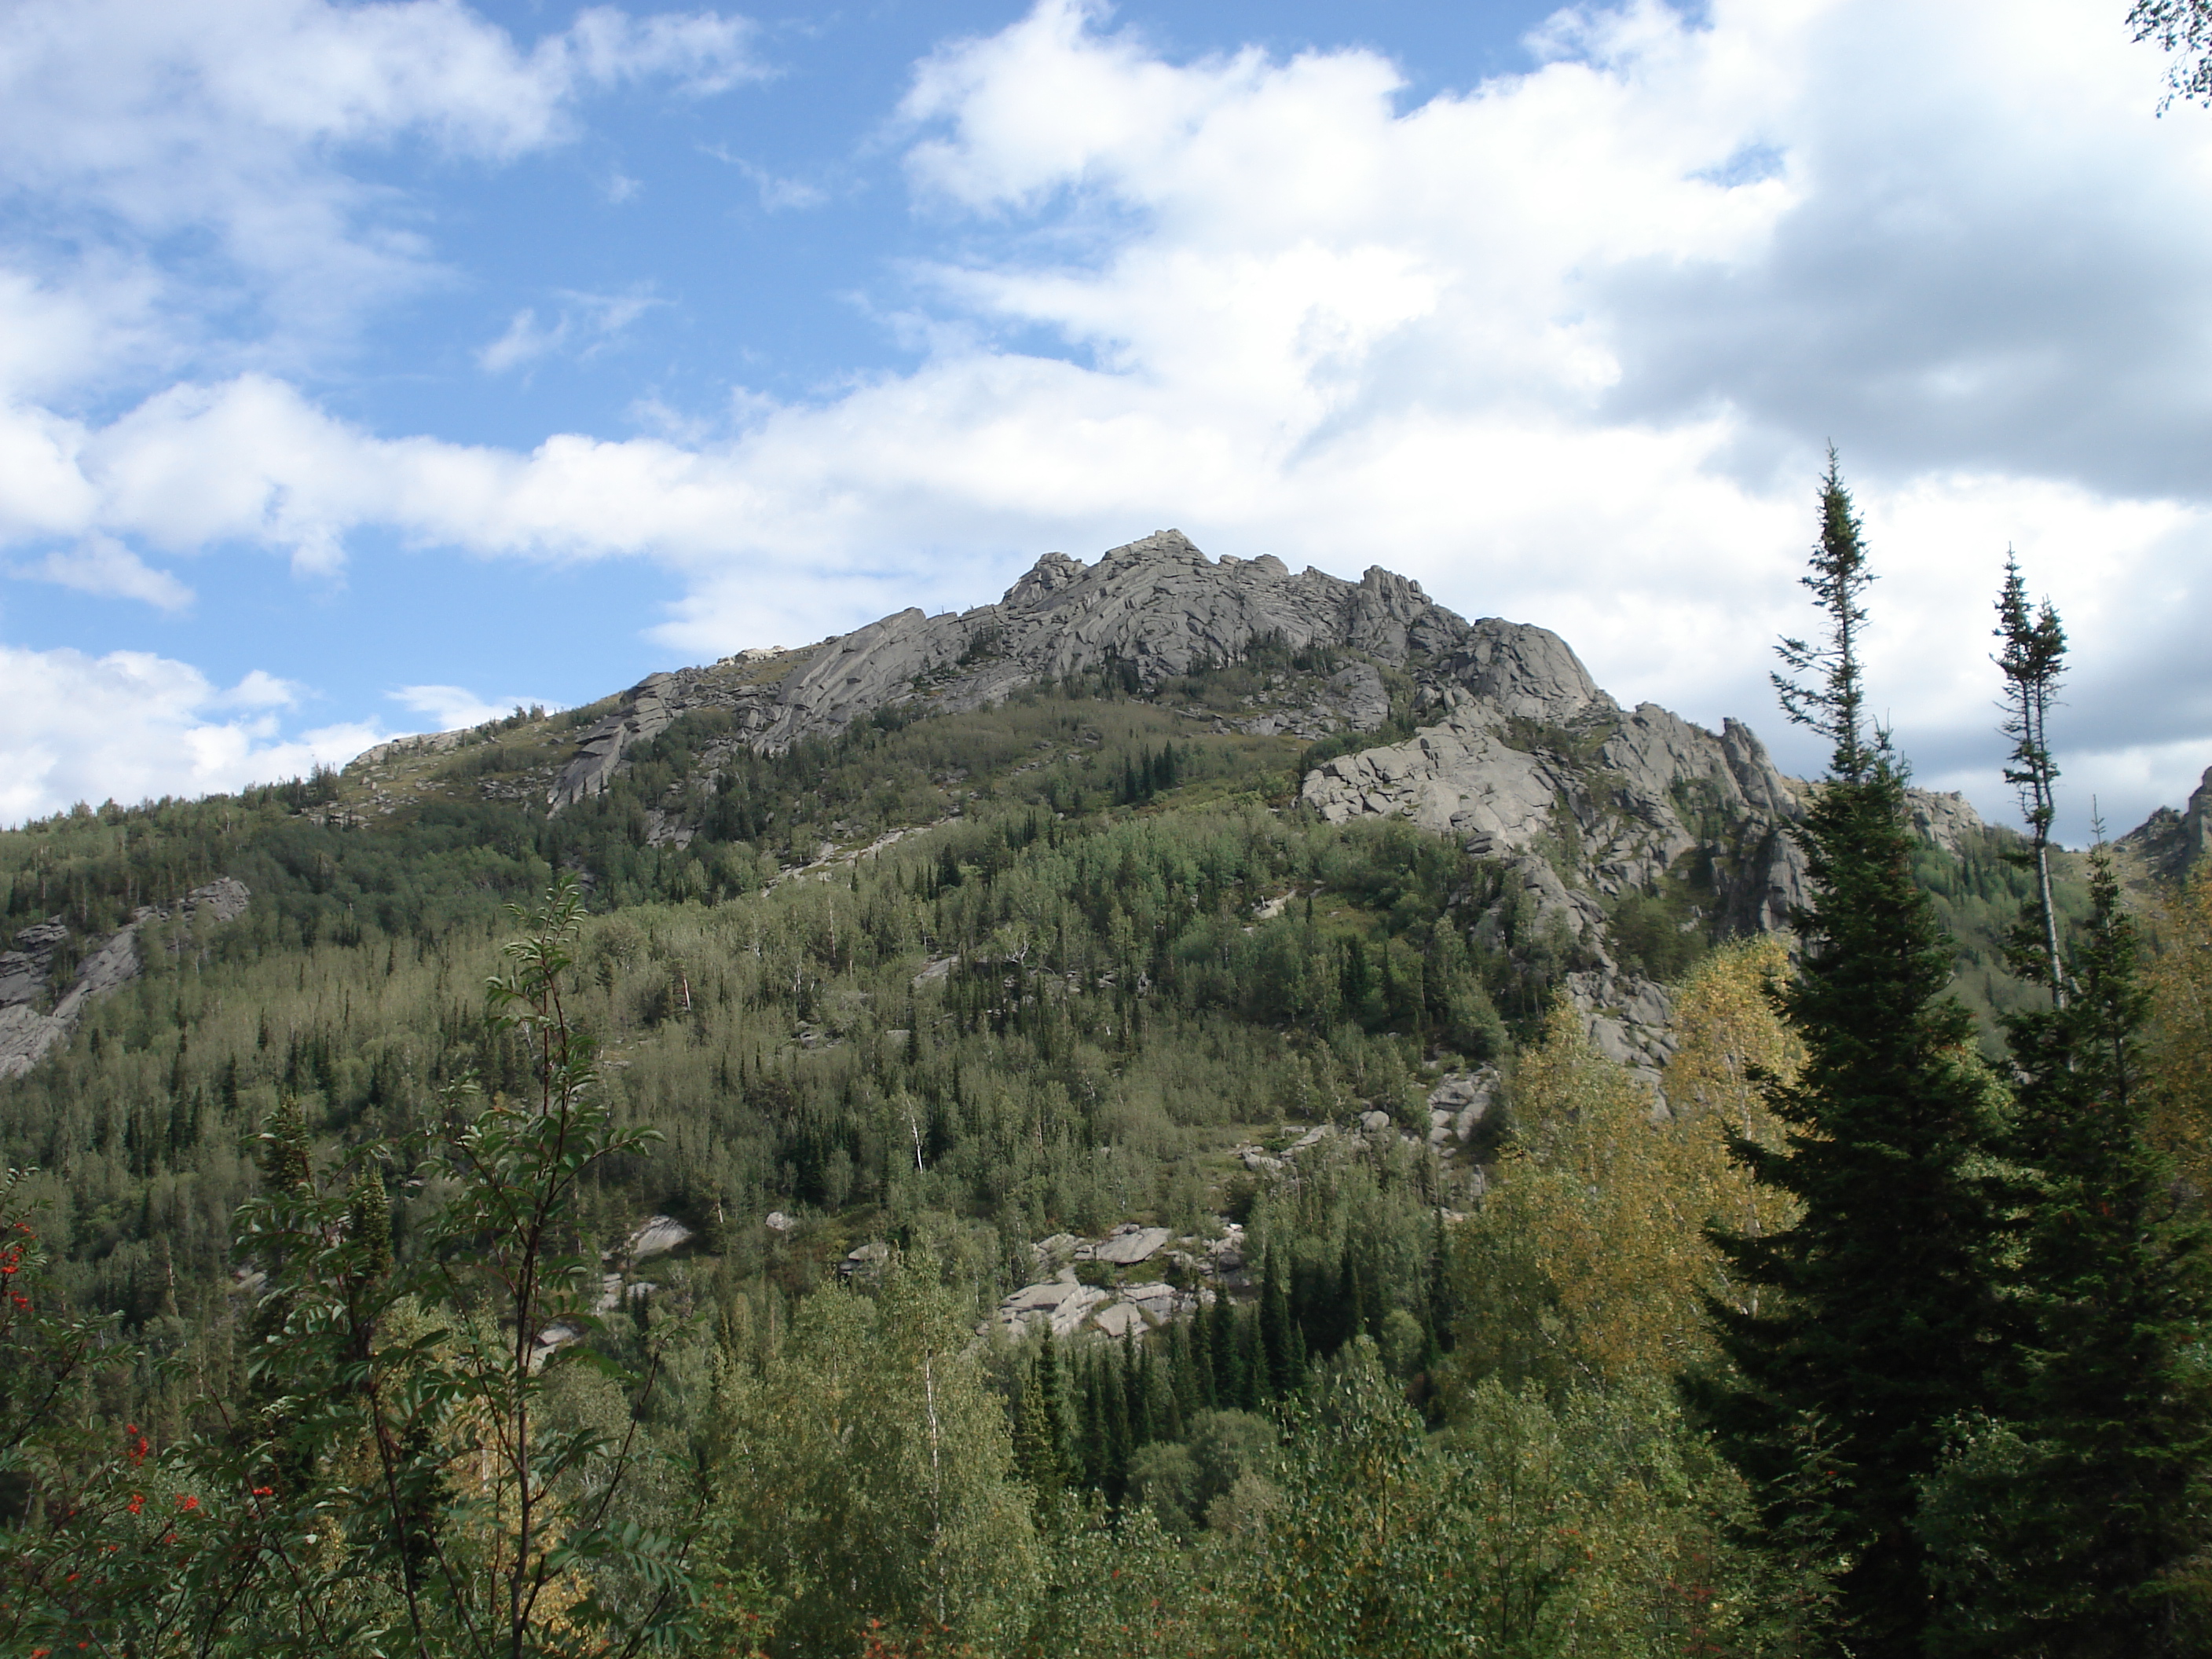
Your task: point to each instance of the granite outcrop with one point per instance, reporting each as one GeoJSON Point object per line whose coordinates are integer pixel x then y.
{"type": "Point", "coordinates": [28, 1030]}
{"type": "Point", "coordinates": [2169, 843]}
{"type": "Point", "coordinates": [1151, 610]}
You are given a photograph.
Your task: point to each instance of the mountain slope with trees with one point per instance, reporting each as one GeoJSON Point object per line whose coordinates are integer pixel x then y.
{"type": "Point", "coordinates": [1096, 916]}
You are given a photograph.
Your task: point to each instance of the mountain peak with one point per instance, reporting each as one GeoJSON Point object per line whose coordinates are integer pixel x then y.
{"type": "Point", "coordinates": [1153, 609]}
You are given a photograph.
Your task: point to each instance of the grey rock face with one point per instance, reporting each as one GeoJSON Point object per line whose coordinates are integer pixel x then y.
{"type": "Point", "coordinates": [1459, 1102]}
{"type": "Point", "coordinates": [24, 970]}
{"type": "Point", "coordinates": [2169, 843]}
{"type": "Point", "coordinates": [1630, 1021]}
{"type": "Point", "coordinates": [1946, 818]}
{"type": "Point", "coordinates": [1533, 766]}
{"type": "Point", "coordinates": [1584, 805]}
{"type": "Point", "coordinates": [1159, 606]}
{"type": "Point", "coordinates": [26, 1034]}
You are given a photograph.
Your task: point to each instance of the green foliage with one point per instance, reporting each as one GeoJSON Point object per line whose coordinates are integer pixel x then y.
{"type": "Point", "coordinates": [870, 1476]}
{"type": "Point", "coordinates": [1876, 1315]}
{"type": "Point", "coordinates": [1596, 1526]}
{"type": "Point", "coordinates": [2075, 1523]}
{"type": "Point", "coordinates": [392, 1482]}
{"type": "Point", "coordinates": [1979, 892]}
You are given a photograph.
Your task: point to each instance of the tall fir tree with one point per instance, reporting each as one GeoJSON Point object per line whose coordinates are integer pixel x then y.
{"type": "Point", "coordinates": [1276, 1329]}
{"type": "Point", "coordinates": [1037, 1451]}
{"type": "Point", "coordinates": [2034, 663]}
{"type": "Point", "coordinates": [1876, 1322]}
{"type": "Point", "coordinates": [2077, 1527]}
{"type": "Point", "coordinates": [1052, 1398]}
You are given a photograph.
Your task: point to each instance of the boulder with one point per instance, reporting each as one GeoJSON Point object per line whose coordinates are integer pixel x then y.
{"type": "Point", "coordinates": [865, 1261]}
{"type": "Point", "coordinates": [1127, 1248]}
{"type": "Point", "coordinates": [1119, 1320]}
{"type": "Point", "coordinates": [660, 1234]}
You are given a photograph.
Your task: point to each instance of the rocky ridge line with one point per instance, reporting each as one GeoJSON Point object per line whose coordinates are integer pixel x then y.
{"type": "Point", "coordinates": [2168, 844]}
{"type": "Point", "coordinates": [1158, 605]}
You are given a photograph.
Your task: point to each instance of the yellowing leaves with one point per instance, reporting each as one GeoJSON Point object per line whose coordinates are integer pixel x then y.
{"type": "Point", "coordinates": [2180, 1047]}
{"type": "Point", "coordinates": [1589, 1257]}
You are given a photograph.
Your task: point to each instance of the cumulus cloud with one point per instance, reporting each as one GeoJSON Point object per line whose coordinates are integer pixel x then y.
{"type": "Point", "coordinates": [1564, 345]}
{"type": "Point", "coordinates": [233, 119]}
{"type": "Point", "coordinates": [131, 726]}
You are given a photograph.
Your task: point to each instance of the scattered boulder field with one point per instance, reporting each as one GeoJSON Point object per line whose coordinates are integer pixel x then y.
{"type": "Point", "coordinates": [1456, 1106]}
{"type": "Point", "coordinates": [1063, 1299]}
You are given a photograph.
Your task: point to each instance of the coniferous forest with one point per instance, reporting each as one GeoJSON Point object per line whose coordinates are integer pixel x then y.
{"type": "Point", "coordinates": [527, 1232]}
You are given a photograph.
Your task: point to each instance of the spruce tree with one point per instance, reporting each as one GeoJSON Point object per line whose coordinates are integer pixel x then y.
{"type": "Point", "coordinates": [1035, 1456]}
{"type": "Point", "coordinates": [2033, 661]}
{"type": "Point", "coordinates": [1276, 1328]}
{"type": "Point", "coordinates": [2075, 1527]}
{"type": "Point", "coordinates": [1052, 1394]}
{"type": "Point", "coordinates": [1199, 1357]}
{"type": "Point", "coordinates": [1120, 1439]}
{"type": "Point", "coordinates": [1873, 1327]}
{"type": "Point", "coordinates": [1221, 1351]}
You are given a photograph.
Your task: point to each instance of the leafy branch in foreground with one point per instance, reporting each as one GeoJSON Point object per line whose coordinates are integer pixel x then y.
{"type": "Point", "coordinates": [394, 1482]}
{"type": "Point", "coordinates": [2183, 30]}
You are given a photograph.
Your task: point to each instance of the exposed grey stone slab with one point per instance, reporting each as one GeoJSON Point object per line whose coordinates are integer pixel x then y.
{"type": "Point", "coordinates": [1044, 1297]}
{"type": "Point", "coordinates": [1131, 1248]}
{"type": "Point", "coordinates": [25, 1035]}
{"type": "Point", "coordinates": [1069, 1316]}
{"type": "Point", "coordinates": [660, 1234]}
{"type": "Point", "coordinates": [1119, 1320]}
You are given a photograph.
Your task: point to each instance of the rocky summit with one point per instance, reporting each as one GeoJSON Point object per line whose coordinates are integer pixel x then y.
{"type": "Point", "coordinates": [1509, 746]}
{"type": "Point", "coordinates": [1156, 607]}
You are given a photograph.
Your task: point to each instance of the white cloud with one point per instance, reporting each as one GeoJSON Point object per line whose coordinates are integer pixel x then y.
{"type": "Point", "coordinates": [777, 193]}
{"type": "Point", "coordinates": [131, 726]}
{"type": "Point", "coordinates": [451, 707]}
{"type": "Point", "coordinates": [102, 565]}
{"type": "Point", "coordinates": [597, 319]}
{"type": "Point", "coordinates": [141, 119]}
{"type": "Point", "coordinates": [524, 341]}
{"type": "Point", "coordinates": [1565, 346]}
{"type": "Point", "coordinates": [97, 90]}
{"type": "Point", "coordinates": [261, 690]}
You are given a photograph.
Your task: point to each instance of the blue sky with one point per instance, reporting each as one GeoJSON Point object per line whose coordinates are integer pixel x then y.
{"type": "Point", "coordinates": [364, 368]}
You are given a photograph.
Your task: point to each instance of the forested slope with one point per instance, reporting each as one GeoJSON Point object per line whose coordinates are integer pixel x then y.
{"type": "Point", "coordinates": [959, 979]}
